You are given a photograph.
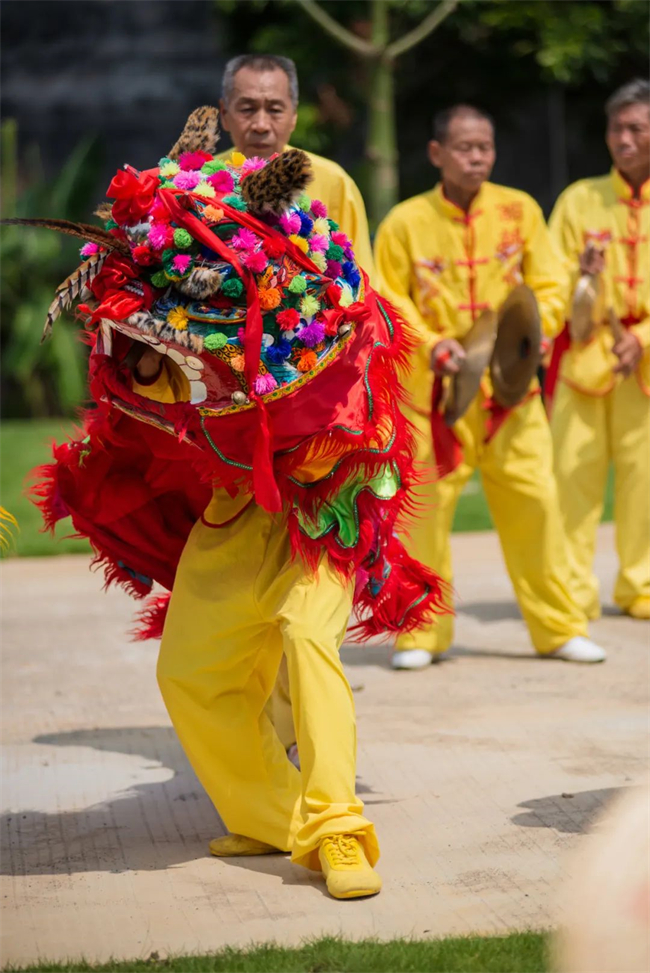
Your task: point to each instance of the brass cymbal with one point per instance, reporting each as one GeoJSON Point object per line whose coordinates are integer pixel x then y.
{"type": "Point", "coordinates": [478, 344]}
{"type": "Point", "coordinates": [584, 307]}
{"type": "Point", "coordinates": [517, 352]}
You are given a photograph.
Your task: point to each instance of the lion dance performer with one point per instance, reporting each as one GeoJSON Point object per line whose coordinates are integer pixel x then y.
{"type": "Point", "coordinates": [246, 452]}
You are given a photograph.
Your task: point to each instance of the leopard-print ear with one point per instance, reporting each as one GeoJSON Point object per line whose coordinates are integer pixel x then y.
{"type": "Point", "coordinates": [274, 188]}
{"type": "Point", "coordinates": [200, 133]}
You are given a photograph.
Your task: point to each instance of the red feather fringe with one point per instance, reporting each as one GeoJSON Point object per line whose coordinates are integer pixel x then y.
{"type": "Point", "coordinates": [130, 491]}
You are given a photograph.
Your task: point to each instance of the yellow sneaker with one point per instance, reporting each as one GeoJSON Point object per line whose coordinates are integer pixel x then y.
{"type": "Point", "coordinates": [347, 871]}
{"type": "Point", "coordinates": [640, 608]}
{"type": "Point", "coordinates": [235, 845]}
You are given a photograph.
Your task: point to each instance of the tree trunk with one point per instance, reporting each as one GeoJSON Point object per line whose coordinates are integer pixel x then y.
{"type": "Point", "coordinates": [381, 146]}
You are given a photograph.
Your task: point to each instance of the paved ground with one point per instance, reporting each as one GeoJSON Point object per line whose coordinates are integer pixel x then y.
{"type": "Point", "coordinates": [480, 772]}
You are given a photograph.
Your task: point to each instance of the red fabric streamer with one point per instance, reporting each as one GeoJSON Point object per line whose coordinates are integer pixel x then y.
{"type": "Point", "coordinates": [561, 345]}
{"type": "Point", "coordinates": [447, 448]}
{"type": "Point", "coordinates": [264, 484]}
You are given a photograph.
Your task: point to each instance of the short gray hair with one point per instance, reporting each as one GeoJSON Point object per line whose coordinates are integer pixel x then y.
{"type": "Point", "coordinates": [635, 92]}
{"type": "Point", "coordinates": [259, 62]}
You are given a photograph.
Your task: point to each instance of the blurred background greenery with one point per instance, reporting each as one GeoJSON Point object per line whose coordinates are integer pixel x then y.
{"type": "Point", "coordinates": [86, 87]}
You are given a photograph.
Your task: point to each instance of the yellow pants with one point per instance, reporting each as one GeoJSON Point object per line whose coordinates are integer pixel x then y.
{"type": "Point", "coordinates": [517, 473]}
{"type": "Point", "coordinates": [589, 433]}
{"type": "Point", "coordinates": [279, 709]}
{"type": "Point", "coordinates": [239, 602]}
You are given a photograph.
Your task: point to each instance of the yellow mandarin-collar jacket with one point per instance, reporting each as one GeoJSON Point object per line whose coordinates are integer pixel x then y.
{"type": "Point", "coordinates": [442, 267]}
{"type": "Point", "coordinates": [332, 185]}
{"type": "Point", "coordinates": [605, 211]}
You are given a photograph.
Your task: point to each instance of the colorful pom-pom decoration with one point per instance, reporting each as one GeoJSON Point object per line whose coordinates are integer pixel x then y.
{"type": "Point", "coordinates": [278, 352]}
{"type": "Point", "coordinates": [334, 252]}
{"type": "Point", "coordinates": [159, 279]}
{"type": "Point", "coordinates": [312, 334]}
{"type": "Point", "coordinates": [214, 165]}
{"type": "Point", "coordinates": [235, 201]}
{"type": "Point", "coordinates": [333, 269]}
{"type": "Point", "coordinates": [298, 285]}
{"type": "Point", "coordinates": [178, 318]}
{"type": "Point", "coordinates": [245, 239]}
{"type": "Point", "coordinates": [186, 180]}
{"type": "Point", "coordinates": [252, 165]}
{"type": "Point", "coordinates": [300, 242]}
{"type": "Point", "coordinates": [322, 228]}
{"type": "Point", "coordinates": [265, 384]}
{"type": "Point", "coordinates": [319, 260]}
{"type": "Point", "coordinates": [206, 190]}
{"type": "Point", "coordinates": [273, 248]}
{"type": "Point", "coordinates": [270, 298]}
{"type": "Point", "coordinates": [161, 236]}
{"type": "Point", "coordinates": [307, 224]}
{"type": "Point", "coordinates": [182, 239]}
{"type": "Point", "coordinates": [222, 181]}
{"type": "Point", "coordinates": [290, 223]}
{"type": "Point", "coordinates": [255, 261]}
{"type": "Point", "coordinates": [215, 341]}
{"type": "Point", "coordinates": [169, 168]}
{"type": "Point", "coordinates": [288, 320]}
{"type": "Point", "coordinates": [309, 306]}
{"type": "Point", "coordinates": [193, 160]}
{"type": "Point", "coordinates": [233, 287]}
{"type": "Point", "coordinates": [182, 264]}
{"type": "Point", "coordinates": [307, 361]}
{"type": "Point", "coordinates": [213, 213]}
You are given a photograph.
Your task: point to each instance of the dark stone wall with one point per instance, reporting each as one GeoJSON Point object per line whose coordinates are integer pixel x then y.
{"type": "Point", "coordinates": [128, 72]}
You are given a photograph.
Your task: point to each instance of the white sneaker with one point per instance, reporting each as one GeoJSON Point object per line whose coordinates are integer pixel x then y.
{"type": "Point", "coordinates": [579, 649]}
{"type": "Point", "coordinates": [411, 659]}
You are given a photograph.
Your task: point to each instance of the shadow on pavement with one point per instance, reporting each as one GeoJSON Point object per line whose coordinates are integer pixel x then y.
{"type": "Point", "coordinates": [568, 813]}
{"type": "Point", "coordinates": [152, 826]}
{"type": "Point", "coordinates": [489, 611]}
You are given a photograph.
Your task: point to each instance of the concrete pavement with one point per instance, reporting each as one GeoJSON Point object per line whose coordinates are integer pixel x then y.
{"type": "Point", "coordinates": [480, 773]}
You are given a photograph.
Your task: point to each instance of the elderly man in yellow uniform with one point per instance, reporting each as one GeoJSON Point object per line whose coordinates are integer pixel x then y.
{"type": "Point", "coordinates": [601, 407]}
{"type": "Point", "coordinates": [259, 110]}
{"type": "Point", "coordinates": [442, 258]}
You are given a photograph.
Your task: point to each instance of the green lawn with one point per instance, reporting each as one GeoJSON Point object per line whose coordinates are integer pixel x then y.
{"type": "Point", "coordinates": [24, 444]}
{"type": "Point", "coordinates": [516, 953]}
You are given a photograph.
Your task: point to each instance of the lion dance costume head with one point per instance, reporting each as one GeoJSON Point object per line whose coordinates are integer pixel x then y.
{"type": "Point", "coordinates": [288, 364]}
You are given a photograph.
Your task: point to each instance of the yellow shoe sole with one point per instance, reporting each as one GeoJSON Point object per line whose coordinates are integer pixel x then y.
{"type": "Point", "coordinates": [355, 893]}
{"type": "Point", "coordinates": [238, 846]}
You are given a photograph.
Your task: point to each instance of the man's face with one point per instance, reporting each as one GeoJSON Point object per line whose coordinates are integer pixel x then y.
{"type": "Point", "coordinates": [466, 157]}
{"type": "Point", "coordinates": [259, 116]}
{"type": "Point", "coordinates": [628, 139]}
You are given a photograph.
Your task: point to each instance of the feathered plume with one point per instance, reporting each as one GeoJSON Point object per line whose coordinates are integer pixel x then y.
{"type": "Point", "coordinates": [274, 188]}
{"type": "Point", "coordinates": [200, 133]}
{"type": "Point", "coordinates": [104, 211]}
{"type": "Point", "coordinates": [71, 288]}
{"type": "Point", "coordinates": [85, 231]}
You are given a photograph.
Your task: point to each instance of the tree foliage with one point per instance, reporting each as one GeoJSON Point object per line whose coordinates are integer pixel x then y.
{"type": "Point", "coordinates": [489, 46]}
{"type": "Point", "coordinates": [48, 379]}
